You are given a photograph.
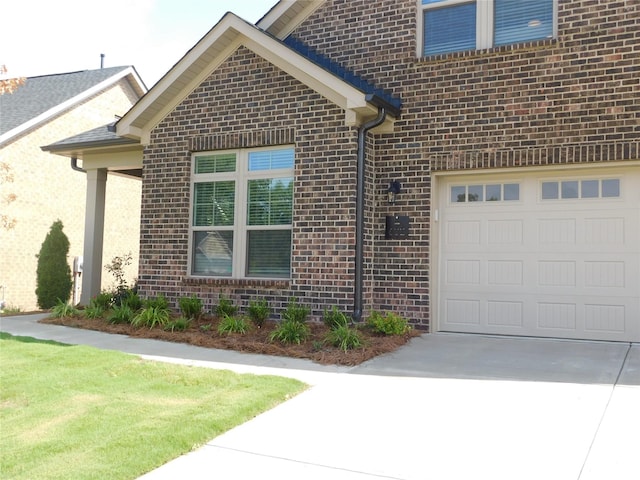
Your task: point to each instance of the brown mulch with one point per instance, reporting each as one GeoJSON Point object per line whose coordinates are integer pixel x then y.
{"type": "Point", "coordinates": [204, 333]}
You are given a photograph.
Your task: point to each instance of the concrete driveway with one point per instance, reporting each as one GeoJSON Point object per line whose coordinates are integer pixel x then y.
{"type": "Point", "coordinates": [446, 406]}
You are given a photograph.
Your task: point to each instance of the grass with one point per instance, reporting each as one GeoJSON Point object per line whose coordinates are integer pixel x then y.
{"type": "Point", "coordinates": [83, 413]}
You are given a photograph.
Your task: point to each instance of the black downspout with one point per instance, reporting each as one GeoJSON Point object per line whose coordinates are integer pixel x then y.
{"type": "Point", "coordinates": [74, 166]}
{"type": "Point", "coordinates": [359, 260]}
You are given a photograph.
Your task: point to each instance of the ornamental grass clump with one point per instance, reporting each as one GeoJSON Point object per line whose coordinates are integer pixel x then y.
{"type": "Point", "coordinates": [225, 307]}
{"type": "Point", "coordinates": [191, 307]}
{"type": "Point", "coordinates": [334, 318]}
{"type": "Point", "coordinates": [259, 311]}
{"type": "Point", "coordinates": [345, 338]}
{"type": "Point", "coordinates": [292, 328]}
{"type": "Point", "coordinates": [229, 325]}
{"type": "Point", "coordinates": [62, 309]}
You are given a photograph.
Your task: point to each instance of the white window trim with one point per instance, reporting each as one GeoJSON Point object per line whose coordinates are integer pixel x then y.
{"type": "Point", "coordinates": [484, 17]}
{"type": "Point", "coordinates": [241, 177]}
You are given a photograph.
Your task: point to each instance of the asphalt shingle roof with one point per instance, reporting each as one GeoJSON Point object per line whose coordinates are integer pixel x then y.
{"type": "Point", "coordinates": [40, 94]}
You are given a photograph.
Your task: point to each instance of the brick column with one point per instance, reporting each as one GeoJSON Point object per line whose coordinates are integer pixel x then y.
{"type": "Point", "coordinates": [93, 234]}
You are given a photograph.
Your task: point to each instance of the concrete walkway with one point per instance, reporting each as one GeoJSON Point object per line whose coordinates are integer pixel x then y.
{"type": "Point", "coordinates": [446, 406]}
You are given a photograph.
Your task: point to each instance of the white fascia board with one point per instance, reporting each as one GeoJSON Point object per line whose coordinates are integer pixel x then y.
{"type": "Point", "coordinates": [67, 105]}
{"type": "Point", "coordinates": [283, 8]}
{"type": "Point", "coordinates": [219, 44]}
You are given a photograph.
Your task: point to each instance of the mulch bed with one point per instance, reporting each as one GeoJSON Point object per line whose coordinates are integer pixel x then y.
{"type": "Point", "coordinates": [204, 333]}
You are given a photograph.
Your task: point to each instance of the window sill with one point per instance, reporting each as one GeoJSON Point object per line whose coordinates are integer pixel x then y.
{"type": "Point", "coordinates": [239, 282]}
{"type": "Point", "coordinates": [503, 49]}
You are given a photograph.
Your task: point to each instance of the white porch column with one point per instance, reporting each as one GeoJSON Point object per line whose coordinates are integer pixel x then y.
{"type": "Point", "coordinates": [93, 234]}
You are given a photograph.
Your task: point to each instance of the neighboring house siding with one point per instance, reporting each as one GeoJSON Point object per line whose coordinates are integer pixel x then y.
{"type": "Point", "coordinates": [48, 189]}
{"type": "Point", "coordinates": [563, 101]}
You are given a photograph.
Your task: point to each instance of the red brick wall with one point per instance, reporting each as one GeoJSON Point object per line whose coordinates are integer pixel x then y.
{"type": "Point", "coordinates": [567, 100]}
{"type": "Point", "coordinates": [249, 103]}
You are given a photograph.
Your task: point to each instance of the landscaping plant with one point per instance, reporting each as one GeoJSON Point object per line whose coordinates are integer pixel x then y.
{"type": "Point", "coordinates": [225, 307]}
{"type": "Point", "coordinates": [121, 314]}
{"type": "Point", "coordinates": [296, 312]}
{"type": "Point", "coordinates": [334, 318]}
{"type": "Point", "coordinates": [62, 309]}
{"type": "Point", "coordinates": [259, 311]}
{"type": "Point", "coordinates": [53, 274]}
{"type": "Point", "coordinates": [388, 324]}
{"type": "Point", "coordinates": [179, 324]}
{"type": "Point", "coordinates": [345, 338]}
{"type": "Point", "coordinates": [230, 325]}
{"type": "Point", "coordinates": [191, 307]}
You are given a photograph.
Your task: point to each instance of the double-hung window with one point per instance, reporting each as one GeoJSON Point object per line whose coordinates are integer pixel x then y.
{"type": "Point", "coordinates": [241, 213]}
{"type": "Point", "coordinates": [458, 25]}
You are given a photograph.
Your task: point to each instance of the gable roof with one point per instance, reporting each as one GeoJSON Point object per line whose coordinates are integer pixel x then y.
{"type": "Point", "coordinates": [231, 32]}
{"type": "Point", "coordinates": [41, 98]}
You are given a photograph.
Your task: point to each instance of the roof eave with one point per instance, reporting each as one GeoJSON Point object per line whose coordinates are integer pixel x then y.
{"type": "Point", "coordinates": [215, 47]}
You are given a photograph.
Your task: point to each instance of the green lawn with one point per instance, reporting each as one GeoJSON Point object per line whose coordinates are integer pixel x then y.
{"type": "Point", "coordinates": [82, 413]}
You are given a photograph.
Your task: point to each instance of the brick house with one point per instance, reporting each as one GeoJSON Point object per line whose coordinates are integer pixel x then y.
{"type": "Point", "coordinates": [42, 111]}
{"type": "Point", "coordinates": [472, 166]}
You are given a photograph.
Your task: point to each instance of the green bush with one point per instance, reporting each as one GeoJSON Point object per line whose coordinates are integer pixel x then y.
{"type": "Point", "coordinates": [259, 311]}
{"type": "Point", "coordinates": [295, 312]}
{"type": "Point", "coordinates": [53, 274]}
{"type": "Point", "coordinates": [159, 303]}
{"type": "Point", "coordinates": [334, 318]}
{"type": "Point", "coordinates": [345, 338]}
{"type": "Point", "coordinates": [225, 307]}
{"type": "Point", "coordinates": [103, 300]}
{"type": "Point", "coordinates": [151, 316]}
{"type": "Point", "coordinates": [290, 331]}
{"type": "Point", "coordinates": [121, 314]}
{"type": "Point", "coordinates": [132, 300]}
{"type": "Point", "coordinates": [230, 325]}
{"type": "Point", "coordinates": [191, 307]}
{"type": "Point", "coordinates": [94, 311]}
{"type": "Point", "coordinates": [178, 325]}
{"type": "Point", "coordinates": [62, 309]}
{"type": "Point", "coordinates": [388, 324]}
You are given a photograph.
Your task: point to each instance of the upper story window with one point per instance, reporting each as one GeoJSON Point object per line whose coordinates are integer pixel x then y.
{"type": "Point", "coordinates": [458, 25]}
{"type": "Point", "coordinates": [241, 213]}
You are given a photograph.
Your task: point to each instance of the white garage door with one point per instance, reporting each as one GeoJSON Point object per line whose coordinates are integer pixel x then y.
{"type": "Point", "coordinates": [552, 254]}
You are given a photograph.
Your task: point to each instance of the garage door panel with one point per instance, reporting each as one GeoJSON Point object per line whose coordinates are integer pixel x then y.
{"type": "Point", "coordinates": [557, 268]}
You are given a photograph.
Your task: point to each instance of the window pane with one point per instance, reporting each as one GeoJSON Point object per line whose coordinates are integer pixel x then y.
{"type": "Point", "coordinates": [611, 188]}
{"type": "Point", "coordinates": [216, 163]}
{"type": "Point", "coordinates": [590, 188]}
{"type": "Point", "coordinates": [213, 203]}
{"type": "Point", "coordinates": [269, 253]}
{"type": "Point", "coordinates": [570, 189]}
{"type": "Point", "coordinates": [494, 193]}
{"type": "Point", "coordinates": [522, 20]}
{"type": "Point", "coordinates": [271, 159]}
{"type": "Point", "coordinates": [549, 190]}
{"type": "Point", "coordinates": [458, 194]}
{"type": "Point", "coordinates": [450, 29]}
{"type": "Point", "coordinates": [475, 193]}
{"type": "Point", "coordinates": [212, 253]}
{"type": "Point", "coordinates": [270, 201]}
{"type": "Point", "coordinates": [512, 191]}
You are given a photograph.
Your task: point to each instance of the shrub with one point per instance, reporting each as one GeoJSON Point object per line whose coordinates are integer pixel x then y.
{"type": "Point", "coordinates": [290, 331]}
{"type": "Point", "coordinates": [53, 274]}
{"type": "Point", "coordinates": [94, 311]}
{"type": "Point", "coordinates": [225, 307]}
{"type": "Point", "coordinates": [259, 311]}
{"type": "Point", "coordinates": [295, 312]}
{"type": "Point", "coordinates": [103, 300]}
{"type": "Point", "coordinates": [116, 268]}
{"type": "Point", "coordinates": [191, 307]}
{"type": "Point", "coordinates": [334, 318]}
{"type": "Point", "coordinates": [345, 338]}
{"type": "Point", "coordinates": [132, 300]}
{"type": "Point", "coordinates": [62, 309]}
{"type": "Point", "coordinates": [151, 316]}
{"type": "Point", "coordinates": [159, 302]}
{"type": "Point", "coordinates": [121, 314]}
{"type": "Point", "coordinates": [178, 325]}
{"type": "Point", "coordinates": [388, 324]}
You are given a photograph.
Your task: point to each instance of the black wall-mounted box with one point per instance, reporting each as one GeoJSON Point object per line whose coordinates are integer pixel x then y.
{"type": "Point", "coordinates": [397, 227]}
